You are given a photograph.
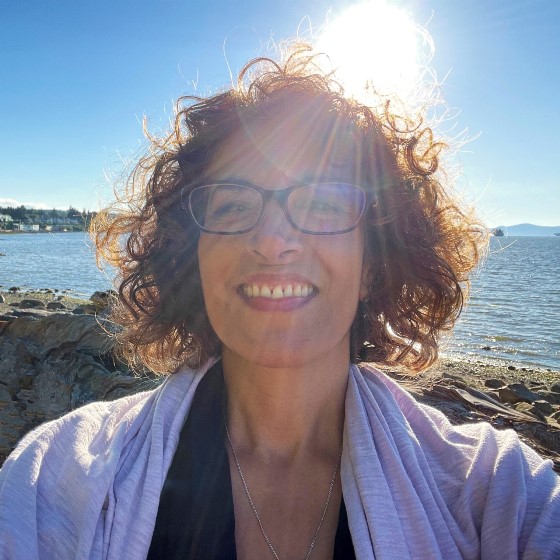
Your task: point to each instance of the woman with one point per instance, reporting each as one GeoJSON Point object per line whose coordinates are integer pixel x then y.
{"type": "Point", "coordinates": [281, 233]}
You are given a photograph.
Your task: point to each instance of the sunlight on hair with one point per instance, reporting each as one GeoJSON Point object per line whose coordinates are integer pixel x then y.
{"type": "Point", "coordinates": [376, 46]}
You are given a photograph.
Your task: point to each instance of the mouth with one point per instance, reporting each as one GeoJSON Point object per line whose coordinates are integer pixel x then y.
{"type": "Point", "coordinates": [278, 291]}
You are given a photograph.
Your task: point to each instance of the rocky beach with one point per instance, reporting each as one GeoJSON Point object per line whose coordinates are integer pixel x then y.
{"type": "Point", "coordinates": [56, 354]}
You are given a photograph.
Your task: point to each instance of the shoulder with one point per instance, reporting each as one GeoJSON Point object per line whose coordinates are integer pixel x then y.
{"type": "Point", "coordinates": [66, 469]}
{"type": "Point", "coordinates": [474, 442]}
{"type": "Point", "coordinates": [491, 482]}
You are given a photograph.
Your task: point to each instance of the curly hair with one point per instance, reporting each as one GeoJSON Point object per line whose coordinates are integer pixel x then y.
{"type": "Point", "coordinates": [423, 241]}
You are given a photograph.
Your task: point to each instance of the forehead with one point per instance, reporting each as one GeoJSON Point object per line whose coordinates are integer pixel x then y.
{"type": "Point", "coordinates": [287, 144]}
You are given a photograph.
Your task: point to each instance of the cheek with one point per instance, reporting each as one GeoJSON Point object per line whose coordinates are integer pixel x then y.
{"type": "Point", "coordinates": [209, 266]}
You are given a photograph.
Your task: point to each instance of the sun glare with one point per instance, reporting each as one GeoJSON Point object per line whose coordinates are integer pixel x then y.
{"type": "Point", "coordinates": [374, 44]}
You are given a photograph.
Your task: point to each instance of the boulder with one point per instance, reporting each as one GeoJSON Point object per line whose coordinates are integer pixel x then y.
{"type": "Point", "coordinates": [495, 383]}
{"type": "Point", "coordinates": [51, 365]}
{"type": "Point", "coordinates": [102, 299]}
{"type": "Point", "coordinates": [550, 396]}
{"type": "Point", "coordinates": [86, 309]}
{"type": "Point", "coordinates": [544, 406]}
{"type": "Point", "coordinates": [32, 304]}
{"type": "Point", "coordinates": [55, 305]}
{"type": "Point", "coordinates": [517, 392]}
{"type": "Point", "coordinates": [530, 409]}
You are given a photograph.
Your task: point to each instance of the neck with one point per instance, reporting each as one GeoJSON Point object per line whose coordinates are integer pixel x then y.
{"type": "Point", "coordinates": [286, 413]}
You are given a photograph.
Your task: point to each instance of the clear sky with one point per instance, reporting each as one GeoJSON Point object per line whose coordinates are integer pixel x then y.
{"type": "Point", "coordinates": [77, 77]}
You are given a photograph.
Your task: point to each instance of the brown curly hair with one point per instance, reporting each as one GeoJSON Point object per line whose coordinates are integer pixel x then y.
{"type": "Point", "coordinates": [424, 243]}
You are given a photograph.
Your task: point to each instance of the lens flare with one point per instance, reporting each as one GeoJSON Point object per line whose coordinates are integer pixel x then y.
{"type": "Point", "coordinates": [376, 46]}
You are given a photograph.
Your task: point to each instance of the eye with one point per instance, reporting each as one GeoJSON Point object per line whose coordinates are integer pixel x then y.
{"type": "Point", "coordinates": [323, 200]}
{"type": "Point", "coordinates": [231, 203]}
{"type": "Point", "coordinates": [227, 209]}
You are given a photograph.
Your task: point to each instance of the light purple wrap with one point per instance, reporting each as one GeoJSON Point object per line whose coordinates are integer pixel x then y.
{"type": "Point", "coordinates": [88, 485]}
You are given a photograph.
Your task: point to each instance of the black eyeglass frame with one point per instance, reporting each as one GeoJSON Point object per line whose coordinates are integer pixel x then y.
{"type": "Point", "coordinates": [281, 195]}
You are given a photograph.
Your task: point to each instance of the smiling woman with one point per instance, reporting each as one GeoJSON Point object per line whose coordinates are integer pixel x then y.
{"type": "Point", "coordinates": [280, 234]}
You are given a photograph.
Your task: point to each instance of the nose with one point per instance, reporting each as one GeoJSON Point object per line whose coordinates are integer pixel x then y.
{"type": "Point", "coordinates": [275, 239]}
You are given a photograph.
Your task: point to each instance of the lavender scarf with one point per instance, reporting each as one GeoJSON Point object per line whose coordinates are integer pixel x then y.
{"type": "Point", "coordinates": [88, 485]}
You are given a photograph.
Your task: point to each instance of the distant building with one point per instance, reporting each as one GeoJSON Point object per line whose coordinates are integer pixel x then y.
{"type": "Point", "coordinates": [26, 227]}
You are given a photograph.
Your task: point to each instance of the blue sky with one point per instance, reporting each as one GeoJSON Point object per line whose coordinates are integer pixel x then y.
{"type": "Point", "coordinates": [77, 77]}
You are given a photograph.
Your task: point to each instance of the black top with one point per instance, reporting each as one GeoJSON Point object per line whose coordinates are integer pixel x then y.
{"type": "Point", "coordinates": [195, 519]}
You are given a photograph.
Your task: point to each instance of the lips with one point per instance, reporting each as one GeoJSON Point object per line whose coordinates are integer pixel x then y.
{"type": "Point", "coordinates": [277, 290]}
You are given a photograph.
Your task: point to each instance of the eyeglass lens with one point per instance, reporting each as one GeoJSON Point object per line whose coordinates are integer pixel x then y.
{"type": "Point", "coordinates": [319, 208]}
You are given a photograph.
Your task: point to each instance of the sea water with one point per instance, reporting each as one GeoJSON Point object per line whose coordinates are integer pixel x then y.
{"type": "Point", "coordinates": [62, 261]}
{"type": "Point", "coordinates": [513, 313]}
{"type": "Point", "coordinates": [514, 309]}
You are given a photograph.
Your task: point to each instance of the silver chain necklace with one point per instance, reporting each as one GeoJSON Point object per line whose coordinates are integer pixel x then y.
{"type": "Point", "coordinates": [325, 507]}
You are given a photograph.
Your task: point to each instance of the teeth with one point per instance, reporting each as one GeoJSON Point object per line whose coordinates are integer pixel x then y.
{"type": "Point", "coordinates": [278, 292]}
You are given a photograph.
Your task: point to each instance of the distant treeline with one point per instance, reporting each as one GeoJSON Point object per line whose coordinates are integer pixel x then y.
{"type": "Point", "coordinates": [74, 219]}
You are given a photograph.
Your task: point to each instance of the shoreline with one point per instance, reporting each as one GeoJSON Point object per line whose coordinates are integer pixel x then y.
{"type": "Point", "coordinates": [42, 333]}
{"type": "Point", "coordinates": [471, 365]}
{"type": "Point", "coordinates": [15, 232]}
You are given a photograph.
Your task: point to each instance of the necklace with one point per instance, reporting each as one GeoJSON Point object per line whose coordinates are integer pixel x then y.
{"type": "Point", "coordinates": [257, 516]}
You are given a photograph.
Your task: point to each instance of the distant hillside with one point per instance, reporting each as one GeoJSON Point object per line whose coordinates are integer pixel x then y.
{"type": "Point", "coordinates": [529, 230]}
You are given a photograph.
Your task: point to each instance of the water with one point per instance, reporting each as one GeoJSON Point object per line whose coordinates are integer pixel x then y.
{"type": "Point", "coordinates": [514, 310]}
{"type": "Point", "coordinates": [64, 261]}
{"type": "Point", "coordinates": [513, 313]}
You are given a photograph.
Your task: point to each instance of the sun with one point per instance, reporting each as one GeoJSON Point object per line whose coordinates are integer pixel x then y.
{"type": "Point", "coordinates": [374, 44]}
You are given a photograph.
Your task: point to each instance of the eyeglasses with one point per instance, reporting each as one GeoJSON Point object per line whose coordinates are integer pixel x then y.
{"type": "Point", "coordinates": [229, 208]}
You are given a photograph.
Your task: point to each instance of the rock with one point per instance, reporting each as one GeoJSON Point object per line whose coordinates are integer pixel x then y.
{"type": "Point", "coordinates": [517, 392]}
{"type": "Point", "coordinates": [544, 406]}
{"type": "Point", "coordinates": [537, 386]}
{"type": "Point", "coordinates": [31, 303]}
{"type": "Point", "coordinates": [2, 299]}
{"type": "Point", "coordinates": [556, 415]}
{"type": "Point", "coordinates": [495, 383]}
{"type": "Point", "coordinates": [13, 289]}
{"type": "Point", "coordinates": [526, 407]}
{"type": "Point", "coordinates": [84, 333]}
{"type": "Point", "coordinates": [7, 317]}
{"type": "Point", "coordinates": [30, 313]}
{"type": "Point", "coordinates": [86, 309]}
{"type": "Point", "coordinates": [55, 305]}
{"type": "Point", "coordinates": [54, 364]}
{"type": "Point", "coordinates": [486, 348]}
{"type": "Point", "coordinates": [555, 388]}
{"type": "Point", "coordinates": [102, 299]}
{"type": "Point", "coordinates": [552, 398]}
{"type": "Point", "coordinates": [512, 368]}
